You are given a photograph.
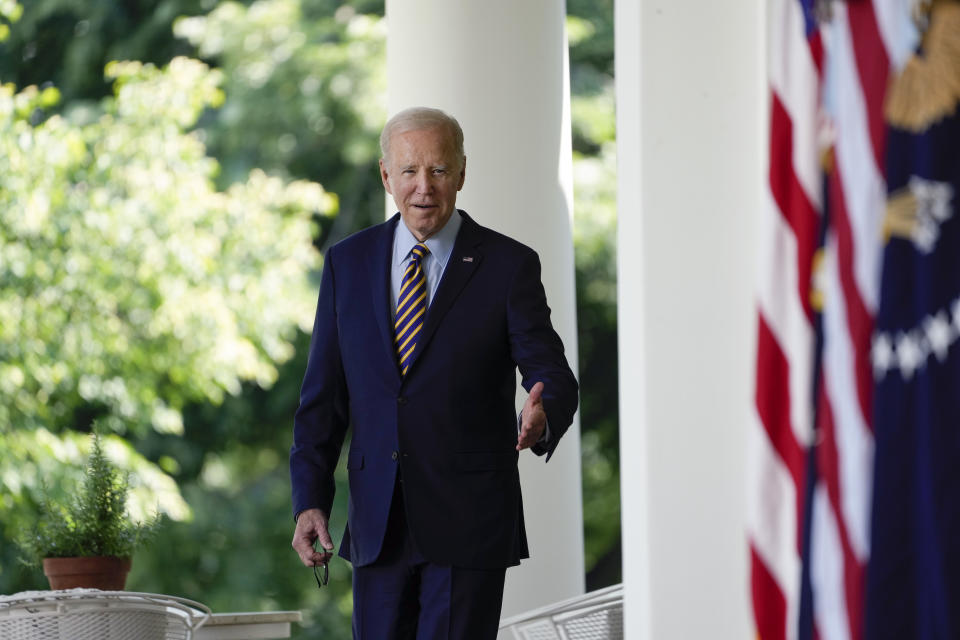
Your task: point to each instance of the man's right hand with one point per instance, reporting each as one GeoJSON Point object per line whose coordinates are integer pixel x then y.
{"type": "Point", "coordinates": [311, 526]}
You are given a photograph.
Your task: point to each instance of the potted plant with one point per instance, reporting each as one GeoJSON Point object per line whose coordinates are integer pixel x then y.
{"type": "Point", "coordinates": [89, 541]}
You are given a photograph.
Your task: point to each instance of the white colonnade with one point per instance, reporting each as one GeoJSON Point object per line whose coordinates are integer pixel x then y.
{"type": "Point", "coordinates": [690, 96]}
{"type": "Point", "coordinates": [500, 68]}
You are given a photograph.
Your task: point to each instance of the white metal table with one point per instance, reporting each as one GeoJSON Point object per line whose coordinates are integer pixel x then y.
{"type": "Point", "coordinates": [248, 626]}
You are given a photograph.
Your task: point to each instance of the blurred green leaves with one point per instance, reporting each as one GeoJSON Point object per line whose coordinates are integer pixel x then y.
{"type": "Point", "coordinates": [10, 12]}
{"type": "Point", "coordinates": [157, 236]}
{"type": "Point", "coordinates": [130, 287]}
{"type": "Point", "coordinates": [127, 281]}
{"type": "Point", "coordinates": [36, 458]}
{"type": "Point", "coordinates": [590, 28]}
{"type": "Point", "coordinates": [308, 76]}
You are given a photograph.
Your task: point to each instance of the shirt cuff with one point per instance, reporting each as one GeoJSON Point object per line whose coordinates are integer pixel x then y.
{"type": "Point", "coordinates": [546, 432]}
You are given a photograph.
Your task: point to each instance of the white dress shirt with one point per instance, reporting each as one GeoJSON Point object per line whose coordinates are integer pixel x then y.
{"type": "Point", "coordinates": [440, 245]}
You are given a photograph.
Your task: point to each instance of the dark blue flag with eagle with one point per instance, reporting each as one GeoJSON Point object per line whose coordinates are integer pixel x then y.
{"type": "Point", "coordinates": [913, 577]}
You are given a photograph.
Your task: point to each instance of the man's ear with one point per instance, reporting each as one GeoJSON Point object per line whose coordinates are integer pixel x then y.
{"type": "Point", "coordinates": [463, 173]}
{"type": "Point", "coordinates": [385, 178]}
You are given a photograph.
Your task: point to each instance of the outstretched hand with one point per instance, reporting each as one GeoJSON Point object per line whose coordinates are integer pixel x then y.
{"type": "Point", "coordinates": [533, 419]}
{"type": "Point", "coordinates": [311, 527]}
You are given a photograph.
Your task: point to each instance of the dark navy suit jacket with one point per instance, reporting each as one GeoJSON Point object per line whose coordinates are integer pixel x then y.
{"type": "Point", "coordinates": [449, 425]}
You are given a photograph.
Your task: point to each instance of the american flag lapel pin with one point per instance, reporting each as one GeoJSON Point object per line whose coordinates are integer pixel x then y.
{"type": "Point", "coordinates": [468, 258]}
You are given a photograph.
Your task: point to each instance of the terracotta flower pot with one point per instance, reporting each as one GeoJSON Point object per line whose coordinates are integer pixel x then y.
{"type": "Point", "coordinates": [104, 572]}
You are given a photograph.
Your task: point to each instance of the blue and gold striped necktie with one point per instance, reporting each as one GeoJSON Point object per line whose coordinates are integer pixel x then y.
{"type": "Point", "coordinates": [411, 307]}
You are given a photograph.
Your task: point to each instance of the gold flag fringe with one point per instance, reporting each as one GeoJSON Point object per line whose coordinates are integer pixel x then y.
{"type": "Point", "coordinates": [928, 88]}
{"type": "Point", "coordinates": [817, 288]}
{"type": "Point", "coordinates": [828, 160]}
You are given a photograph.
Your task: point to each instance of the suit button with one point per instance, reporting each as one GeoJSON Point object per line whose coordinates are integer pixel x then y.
{"type": "Point", "coordinates": [395, 455]}
{"type": "Point", "coordinates": [401, 400]}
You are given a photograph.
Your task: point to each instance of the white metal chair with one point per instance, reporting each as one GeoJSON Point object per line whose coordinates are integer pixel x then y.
{"type": "Point", "coordinates": [597, 615]}
{"type": "Point", "coordinates": [90, 614]}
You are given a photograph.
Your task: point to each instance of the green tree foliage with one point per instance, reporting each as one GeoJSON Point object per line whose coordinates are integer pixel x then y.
{"type": "Point", "coordinates": [590, 29]}
{"type": "Point", "coordinates": [65, 43]}
{"type": "Point", "coordinates": [10, 12]}
{"type": "Point", "coordinates": [308, 77]}
{"type": "Point", "coordinates": [293, 70]}
{"type": "Point", "coordinates": [129, 286]}
{"type": "Point", "coordinates": [235, 554]}
{"type": "Point", "coordinates": [595, 240]}
{"type": "Point", "coordinates": [228, 452]}
{"type": "Point", "coordinates": [127, 282]}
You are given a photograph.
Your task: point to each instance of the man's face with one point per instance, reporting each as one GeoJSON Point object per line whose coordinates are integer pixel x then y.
{"type": "Point", "coordinates": [423, 174]}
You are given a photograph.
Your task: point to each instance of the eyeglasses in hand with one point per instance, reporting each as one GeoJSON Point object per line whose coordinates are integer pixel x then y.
{"type": "Point", "coordinates": [322, 575]}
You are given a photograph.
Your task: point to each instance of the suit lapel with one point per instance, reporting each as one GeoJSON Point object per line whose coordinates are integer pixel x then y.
{"type": "Point", "coordinates": [380, 290]}
{"type": "Point", "coordinates": [462, 264]}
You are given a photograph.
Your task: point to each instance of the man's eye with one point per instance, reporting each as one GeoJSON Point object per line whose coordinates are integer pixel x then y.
{"type": "Point", "coordinates": [439, 172]}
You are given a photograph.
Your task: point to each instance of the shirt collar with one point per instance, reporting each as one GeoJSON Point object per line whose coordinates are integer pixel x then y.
{"type": "Point", "coordinates": [440, 243]}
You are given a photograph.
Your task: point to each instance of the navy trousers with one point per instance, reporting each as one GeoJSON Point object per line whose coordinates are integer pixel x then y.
{"type": "Point", "coordinates": [402, 596]}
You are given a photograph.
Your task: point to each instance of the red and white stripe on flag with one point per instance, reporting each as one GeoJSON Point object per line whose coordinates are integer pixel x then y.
{"type": "Point", "coordinates": [858, 69]}
{"type": "Point", "coordinates": [781, 432]}
{"type": "Point", "coordinates": [837, 82]}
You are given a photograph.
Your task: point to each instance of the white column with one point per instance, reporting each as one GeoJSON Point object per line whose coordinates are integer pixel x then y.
{"type": "Point", "coordinates": [500, 67]}
{"type": "Point", "coordinates": [689, 129]}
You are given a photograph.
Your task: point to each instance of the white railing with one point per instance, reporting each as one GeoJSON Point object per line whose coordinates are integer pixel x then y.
{"type": "Point", "coordinates": [597, 615]}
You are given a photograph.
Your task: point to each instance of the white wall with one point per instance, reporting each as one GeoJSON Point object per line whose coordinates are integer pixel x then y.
{"type": "Point", "coordinates": [690, 94]}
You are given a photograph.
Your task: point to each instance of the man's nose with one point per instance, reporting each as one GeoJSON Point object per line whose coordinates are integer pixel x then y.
{"type": "Point", "coordinates": [424, 184]}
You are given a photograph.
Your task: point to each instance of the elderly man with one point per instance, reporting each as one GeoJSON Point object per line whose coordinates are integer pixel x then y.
{"type": "Point", "coordinates": [421, 324]}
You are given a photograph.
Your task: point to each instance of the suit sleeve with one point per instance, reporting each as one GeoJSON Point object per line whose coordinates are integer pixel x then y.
{"type": "Point", "coordinates": [538, 351]}
{"type": "Point", "coordinates": [321, 420]}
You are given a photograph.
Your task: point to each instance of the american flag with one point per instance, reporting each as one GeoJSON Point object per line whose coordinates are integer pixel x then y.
{"type": "Point", "coordinates": [855, 83]}
{"type": "Point", "coordinates": [782, 430]}
{"type": "Point", "coordinates": [811, 445]}
{"type": "Point", "coordinates": [913, 580]}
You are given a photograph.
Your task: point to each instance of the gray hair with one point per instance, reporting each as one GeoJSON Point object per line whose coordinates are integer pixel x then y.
{"type": "Point", "coordinates": [418, 119]}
